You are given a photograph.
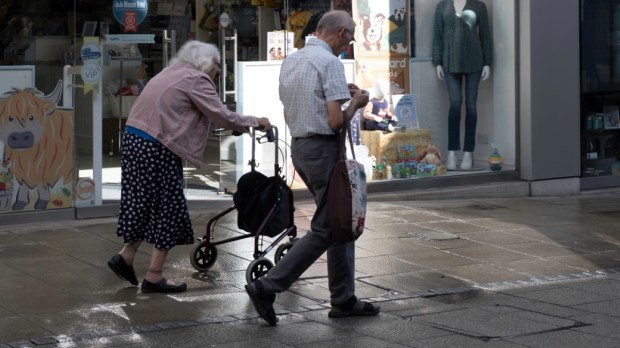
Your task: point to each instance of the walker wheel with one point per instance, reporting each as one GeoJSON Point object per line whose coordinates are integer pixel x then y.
{"type": "Point", "coordinates": [282, 250]}
{"type": "Point", "coordinates": [203, 256]}
{"type": "Point", "coordinates": [257, 269]}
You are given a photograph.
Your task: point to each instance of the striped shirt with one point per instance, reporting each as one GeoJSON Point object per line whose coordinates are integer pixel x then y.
{"type": "Point", "coordinates": [309, 78]}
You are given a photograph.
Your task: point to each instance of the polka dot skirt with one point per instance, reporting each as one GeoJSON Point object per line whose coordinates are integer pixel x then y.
{"type": "Point", "coordinates": [153, 206]}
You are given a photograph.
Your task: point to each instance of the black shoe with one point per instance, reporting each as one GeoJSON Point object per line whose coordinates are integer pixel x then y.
{"type": "Point", "coordinates": [118, 265]}
{"type": "Point", "coordinates": [263, 303]}
{"type": "Point", "coordinates": [353, 308]}
{"type": "Point", "coordinates": [162, 286]}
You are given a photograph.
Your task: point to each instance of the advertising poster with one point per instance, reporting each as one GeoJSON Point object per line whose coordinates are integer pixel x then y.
{"type": "Point", "coordinates": [277, 46]}
{"type": "Point", "coordinates": [393, 68]}
{"type": "Point", "coordinates": [36, 166]}
{"type": "Point", "coordinates": [382, 42]}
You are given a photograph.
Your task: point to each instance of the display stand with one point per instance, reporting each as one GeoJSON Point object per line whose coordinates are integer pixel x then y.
{"type": "Point", "coordinates": [97, 98]}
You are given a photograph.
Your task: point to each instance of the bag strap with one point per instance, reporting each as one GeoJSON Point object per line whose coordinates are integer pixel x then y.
{"type": "Point", "coordinates": [344, 133]}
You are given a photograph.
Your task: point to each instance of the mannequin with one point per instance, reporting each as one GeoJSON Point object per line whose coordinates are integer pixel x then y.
{"type": "Point", "coordinates": [462, 55]}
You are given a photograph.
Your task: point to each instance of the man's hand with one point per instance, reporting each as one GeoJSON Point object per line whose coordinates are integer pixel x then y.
{"type": "Point", "coordinates": [359, 97]}
{"type": "Point", "coordinates": [352, 88]}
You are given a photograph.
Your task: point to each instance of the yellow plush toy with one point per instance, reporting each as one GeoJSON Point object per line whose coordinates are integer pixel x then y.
{"type": "Point", "coordinates": [430, 155]}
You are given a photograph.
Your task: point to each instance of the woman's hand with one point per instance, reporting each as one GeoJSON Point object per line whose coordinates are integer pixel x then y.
{"type": "Point", "coordinates": [263, 124]}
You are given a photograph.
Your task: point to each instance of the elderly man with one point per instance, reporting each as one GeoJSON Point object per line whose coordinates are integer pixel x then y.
{"type": "Point", "coordinates": [313, 88]}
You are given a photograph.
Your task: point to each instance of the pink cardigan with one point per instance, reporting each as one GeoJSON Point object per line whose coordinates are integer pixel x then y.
{"type": "Point", "coordinates": [178, 107]}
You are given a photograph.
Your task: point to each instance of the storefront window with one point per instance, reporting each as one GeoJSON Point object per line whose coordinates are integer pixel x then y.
{"type": "Point", "coordinates": [494, 132]}
{"type": "Point", "coordinates": [393, 41]}
{"type": "Point", "coordinates": [397, 41]}
{"type": "Point", "coordinates": [600, 93]}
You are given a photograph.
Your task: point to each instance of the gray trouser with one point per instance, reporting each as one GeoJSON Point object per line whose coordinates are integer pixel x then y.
{"type": "Point", "coordinates": [314, 159]}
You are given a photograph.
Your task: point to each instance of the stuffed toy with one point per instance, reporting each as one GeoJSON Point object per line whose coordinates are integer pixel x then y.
{"type": "Point", "coordinates": [6, 184]}
{"type": "Point", "coordinates": [430, 155]}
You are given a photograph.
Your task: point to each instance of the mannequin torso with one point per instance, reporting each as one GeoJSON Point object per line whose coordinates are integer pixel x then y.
{"type": "Point", "coordinates": [459, 5]}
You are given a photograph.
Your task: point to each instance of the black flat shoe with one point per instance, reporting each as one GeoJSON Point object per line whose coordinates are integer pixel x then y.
{"type": "Point", "coordinates": [162, 286]}
{"type": "Point", "coordinates": [118, 265]}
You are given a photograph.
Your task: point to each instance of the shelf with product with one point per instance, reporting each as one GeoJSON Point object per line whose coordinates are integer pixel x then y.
{"type": "Point", "coordinates": [600, 134]}
{"type": "Point", "coordinates": [600, 152]}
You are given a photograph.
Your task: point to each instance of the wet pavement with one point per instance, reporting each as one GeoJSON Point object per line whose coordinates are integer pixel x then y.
{"type": "Point", "coordinates": [500, 272]}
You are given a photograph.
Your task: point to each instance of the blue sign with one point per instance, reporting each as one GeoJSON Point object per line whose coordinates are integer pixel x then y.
{"type": "Point", "coordinates": [130, 13]}
{"type": "Point", "coordinates": [90, 51]}
{"type": "Point", "coordinates": [405, 110]}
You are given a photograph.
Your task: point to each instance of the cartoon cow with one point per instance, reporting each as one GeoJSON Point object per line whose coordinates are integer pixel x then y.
{"type": "Point", "coordinates": [38, 140]}
{"type": "Point", "coordinates": [372, 29]}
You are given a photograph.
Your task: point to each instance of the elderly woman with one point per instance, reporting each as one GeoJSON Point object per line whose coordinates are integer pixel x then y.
{"type": "Point", "coordinates": [168, 123]}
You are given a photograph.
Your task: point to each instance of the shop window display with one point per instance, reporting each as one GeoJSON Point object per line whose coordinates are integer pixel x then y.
{"type": "Point", "coordinates": [393, 41]}
{"type": "Point", "coordinates": [485, 101]}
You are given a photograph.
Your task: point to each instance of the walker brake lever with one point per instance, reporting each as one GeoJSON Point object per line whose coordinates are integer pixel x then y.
{"type": "Point", "coordinates": [269, 135]}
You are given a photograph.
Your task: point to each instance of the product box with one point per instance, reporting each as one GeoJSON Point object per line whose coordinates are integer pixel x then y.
{"type": "Point", "coordinates": [426, 169]}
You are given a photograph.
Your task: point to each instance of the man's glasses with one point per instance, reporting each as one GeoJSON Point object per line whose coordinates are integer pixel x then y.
{"type": "Point", "coordinates": [352, 33]}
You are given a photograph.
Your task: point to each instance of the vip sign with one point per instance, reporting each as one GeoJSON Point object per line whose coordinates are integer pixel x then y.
{"type": "Point", "coordinates": [91, 55]}
{"type": "Point", "coordinates": [91, 73]}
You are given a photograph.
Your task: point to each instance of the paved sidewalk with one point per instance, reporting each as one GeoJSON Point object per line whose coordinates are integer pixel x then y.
{"type": "Point", "coordinates": [518, 272]}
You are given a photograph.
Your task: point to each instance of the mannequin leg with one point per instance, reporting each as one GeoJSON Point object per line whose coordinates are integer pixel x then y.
{"type": "Point", "coordinates": [451, 163]}
{"type": "Point", "coordinates": [472, 81]}
{"type": "Point", "coordinates": [466, 163]}
{"type": "Point", "coordinates": [455, 95]}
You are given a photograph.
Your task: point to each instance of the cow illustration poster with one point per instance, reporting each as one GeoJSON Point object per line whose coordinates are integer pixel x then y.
{"type": "Point", "coordinates": [36, 168]}
{"type": "Point", "coordinates": [382, 42]}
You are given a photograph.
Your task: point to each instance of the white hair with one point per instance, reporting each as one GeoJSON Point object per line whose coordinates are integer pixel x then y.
{"type": "Point", "coordinates": [200, 55]}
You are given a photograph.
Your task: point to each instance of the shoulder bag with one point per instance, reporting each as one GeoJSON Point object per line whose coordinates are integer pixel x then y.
{"type": "Point", "coordinates": [346, 194]}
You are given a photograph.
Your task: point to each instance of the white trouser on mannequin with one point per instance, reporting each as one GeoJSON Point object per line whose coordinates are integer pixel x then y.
{"type": "Point", "coordinates": [467, 161]}
{"type": "Point", "coordinates": [451, 163]}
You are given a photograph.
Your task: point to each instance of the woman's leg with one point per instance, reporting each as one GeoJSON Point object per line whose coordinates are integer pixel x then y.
{"type": "Point", "coordinates": [129, 252]}
{"type": "Point", "coordinates": [155, 272]}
